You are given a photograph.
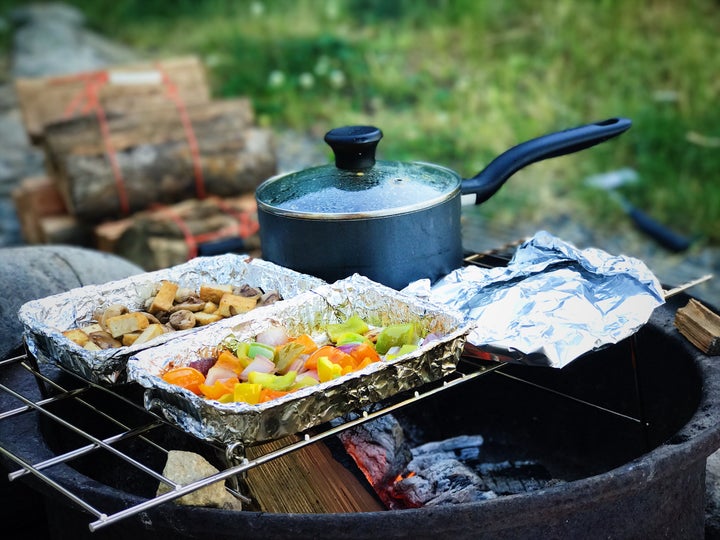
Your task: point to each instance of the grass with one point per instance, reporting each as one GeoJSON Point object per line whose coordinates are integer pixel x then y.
{"type": "Point", "coordinates": [458, 82]}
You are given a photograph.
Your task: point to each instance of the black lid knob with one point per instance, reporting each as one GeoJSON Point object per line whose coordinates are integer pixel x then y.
{"type": "Point", "coordinates": [354, 146]}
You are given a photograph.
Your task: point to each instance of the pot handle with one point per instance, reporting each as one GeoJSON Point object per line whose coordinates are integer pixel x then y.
{"type": "Point", "coordinates": [491, 178]}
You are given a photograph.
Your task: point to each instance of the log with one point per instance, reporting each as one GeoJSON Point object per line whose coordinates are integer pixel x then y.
{"type": "Point", "coordinates": [155, 160]}
{"type": "Point", "coordinates": [65, 229]}
{"type": "Point", "coordinates": [107, 234]}
{"type": "Point", "coordinates": [700, 325]}
{"type": "Point", "coordinates": [50, 99]}
{"type": "Point", "coordinates": [35, 198]}
{"type": "Point", "coordinates": [158, 238]}
{"type": "Point", "coordinates": [154, 125]}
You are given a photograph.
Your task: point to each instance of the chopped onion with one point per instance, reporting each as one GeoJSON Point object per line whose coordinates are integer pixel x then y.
{"type": "Point", "coordinates": [259, 363]}
{"type": "Point", "coordinates": [216, 373]}
{"type": "Point", "coordinates": [429, 338]}
{"type": "Point", "coordinates": [298, 365]}
{"type": "Point", "coordinates": [273, 336]}
{"type": "Point", "coordinates": [348, 347]}
{"type": "Point", "coordinates": [203, 365]}
{"type": "Point", "coordinates": [392, 350]}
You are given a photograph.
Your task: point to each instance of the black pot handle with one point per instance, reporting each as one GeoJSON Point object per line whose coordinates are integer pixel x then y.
{"type": "Point", "coordinates": [491, 178]}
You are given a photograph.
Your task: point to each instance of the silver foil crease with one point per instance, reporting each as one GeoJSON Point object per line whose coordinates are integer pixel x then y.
{"type": "Point", "coordinates": [45, 319]}
{"type": "Point", "coordinates": [552, 303]}
{"type": "Point", "coordinates": [310, 312]}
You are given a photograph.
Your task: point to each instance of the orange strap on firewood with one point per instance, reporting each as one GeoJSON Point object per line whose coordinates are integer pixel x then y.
{"type": "Point", "coordinates": [248, 226]}
{"type": "Point", "coordinates": [94, 81]}
{"type": "Point", "coordinates": [243, 227]}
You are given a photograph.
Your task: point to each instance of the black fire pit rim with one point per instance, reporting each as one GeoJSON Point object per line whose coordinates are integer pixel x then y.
{"type": "Point", "coordinates": [696, 440]}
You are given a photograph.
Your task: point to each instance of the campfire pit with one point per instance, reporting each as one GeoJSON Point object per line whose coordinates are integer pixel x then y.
{"type": "Point", "coordinates": [626, 457]}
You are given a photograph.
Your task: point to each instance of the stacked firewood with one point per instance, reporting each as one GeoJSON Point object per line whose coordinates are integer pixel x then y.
{"type": "Point", "coordinates": [125, 146]}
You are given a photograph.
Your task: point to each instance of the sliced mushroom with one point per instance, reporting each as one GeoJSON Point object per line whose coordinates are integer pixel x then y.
{"type": "Point", "coordinates": [191, 305]}
{"type": "Point", "coordinates": [162, 316]}
{"type": "Point", "coordinates": [182, 319]}
{"type": "Point", "coordinates": [247, 290]}
{"type": "Point", "coordinates": [183, 294]}
{"type": "Point", "coordinates": [152, 319]}
{"type": "Point", "coordinates": [104, 340]}
{"type": "Point", "coordinates": [112, 310]}
{"type": "Point", "coordinates": [269, 298]}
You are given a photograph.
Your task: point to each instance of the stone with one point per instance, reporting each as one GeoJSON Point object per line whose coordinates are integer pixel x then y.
{"type": "Point", "coordinates": [183, 468]}
{"type": "Point", "coordinates": [32, 272]}
{"type": "Point", "coordinates": [50, 39]}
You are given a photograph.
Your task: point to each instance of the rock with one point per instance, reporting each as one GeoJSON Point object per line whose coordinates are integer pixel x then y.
{"type": "Point", "coordinates": [31, 272]}
{"type": "Point", "coordinates": [183, 468]}
{"type": "Point", "coordinates": [18, 159]}
{"type": "Point", "coordinates": [50, 39]}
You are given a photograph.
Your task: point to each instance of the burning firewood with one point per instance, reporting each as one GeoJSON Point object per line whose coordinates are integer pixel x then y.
{"type": "Point", "coordinates": [450, 471]}
{"type": "Point", "coordinates": [380, 451]}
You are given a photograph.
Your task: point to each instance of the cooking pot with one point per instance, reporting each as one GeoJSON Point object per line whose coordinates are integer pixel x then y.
{"type": "Point", "coordinates": [393, 222]}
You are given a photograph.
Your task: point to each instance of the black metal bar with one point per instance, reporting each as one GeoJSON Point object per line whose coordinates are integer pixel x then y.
{"type": "Point", "coordinates": [634, 346]}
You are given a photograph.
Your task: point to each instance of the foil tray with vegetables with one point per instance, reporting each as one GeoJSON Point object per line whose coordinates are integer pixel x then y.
{"type": "Point", "coordinates": [93, 330]}
{"type": "Point", "coordinates": [299, 363]}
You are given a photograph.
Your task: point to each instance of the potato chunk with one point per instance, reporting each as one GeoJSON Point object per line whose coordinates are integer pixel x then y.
{"type": "Point", "coordinates": [151, 332]}
{"type": "Point", "coordinates": [213, 292]}
{"type": "Point", "coordinates": [77, 336]}
{"type": "Point", "coordinates": [125, 324]}
{"type": "Point", "coordinates": [165, 298]}
{"type": "Point", "coordinates": [232, 304]}
{"type": "Point", "coordinates": [202, 318]}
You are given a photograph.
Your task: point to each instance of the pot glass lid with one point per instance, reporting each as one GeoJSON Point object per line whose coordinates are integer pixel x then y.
{"type": "Point", "coordinates": [357, 184]}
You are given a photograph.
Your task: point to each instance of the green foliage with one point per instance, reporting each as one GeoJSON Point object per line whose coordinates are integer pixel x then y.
{"type": "Point", "coordinates": [459, 81]}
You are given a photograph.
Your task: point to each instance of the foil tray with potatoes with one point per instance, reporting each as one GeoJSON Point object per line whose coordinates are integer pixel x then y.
{"type": "Point", "coordinates": [304, 408]}
{"type": "Point", "coordinates": [47, 322]}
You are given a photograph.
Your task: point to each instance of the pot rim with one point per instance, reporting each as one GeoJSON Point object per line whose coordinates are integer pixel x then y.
{"type": "Point", "coordinates": [366, 214]}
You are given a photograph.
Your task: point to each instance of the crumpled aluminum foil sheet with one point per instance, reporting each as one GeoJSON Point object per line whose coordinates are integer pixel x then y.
{"type": "Point", "coordinates": [45, 319]}
{"type": "Point", "coordinates": [552, 303]}
{"type": "Point", "coordinates": [309, 312]}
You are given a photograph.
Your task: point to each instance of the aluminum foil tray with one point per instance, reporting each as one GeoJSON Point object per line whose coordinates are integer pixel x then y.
{"type": "Point", "coordinates": [45, 319]}
{"type": "Point", "coordinates": [295, 412]}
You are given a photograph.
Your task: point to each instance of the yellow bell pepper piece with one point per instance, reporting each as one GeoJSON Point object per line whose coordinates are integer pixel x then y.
{"type": "Point", "coordinates": [327, 370]}
{"type": "Point", "coordinates": [247, 392]}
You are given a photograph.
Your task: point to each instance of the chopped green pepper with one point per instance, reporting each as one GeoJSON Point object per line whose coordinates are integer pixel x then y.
{"type": "Point", "coordinates": [404, 349]}
{"type": "Point", "coordinates": [396, 335]}
{"type": "Point", "coordinates": [287, 354]}
{"type": "Point", "coordinates": [271, 381]}
{"type": "Point", "coordinates": [354, 324]}
{"type": "Point", "coordinates": [303, 382]}
{"type": "Point", "coordinates": [256, 348]}
{"type": "Point", "coordinates": [351, 337]}
{"type": "Point", "coordinates": [238, 348]}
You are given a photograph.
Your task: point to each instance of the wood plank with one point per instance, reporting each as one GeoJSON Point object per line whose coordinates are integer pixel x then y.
{"type": "Point", "coordinates": [309, 480]}
{"type": "Point", "coordinates": [700, 326]}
